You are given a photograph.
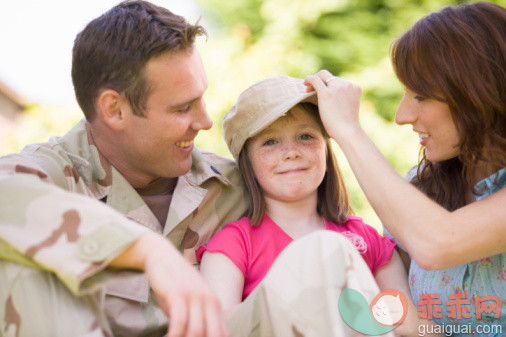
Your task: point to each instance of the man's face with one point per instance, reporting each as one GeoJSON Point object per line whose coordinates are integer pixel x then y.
{"type": "Point", "coordinates": [160, 143]}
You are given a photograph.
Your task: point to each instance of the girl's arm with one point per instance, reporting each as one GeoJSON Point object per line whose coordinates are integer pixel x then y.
{"type": "Point", "coordinates": [180, 291]}
{"type": "Point", "coordinates": [393, 276]}
{"type": "Point", "coordinates": [434, 237]}
{"type": "Point", "coordinates": [225, 279]}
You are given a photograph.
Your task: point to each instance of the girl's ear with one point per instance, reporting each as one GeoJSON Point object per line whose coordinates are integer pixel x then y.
{"type": "Point", "coordinates": [109, 106]}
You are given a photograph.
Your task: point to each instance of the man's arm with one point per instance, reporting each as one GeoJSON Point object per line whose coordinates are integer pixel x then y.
{"type": "Point", "coordinates": [66, 233]}
{"type": "Point", "coordinates": [77, 237]}
{"type": "Point", "coordinates": [180, 291]}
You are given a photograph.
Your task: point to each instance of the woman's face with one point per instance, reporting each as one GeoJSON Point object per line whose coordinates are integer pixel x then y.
{"type": "Point", "coordinates": [289, 157]}
{"type": "Point", "coordinates": [433, 122]}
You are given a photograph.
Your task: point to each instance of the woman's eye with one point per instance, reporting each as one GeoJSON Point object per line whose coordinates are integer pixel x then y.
{"type": "Point", "coordinates": [305, 137]}
{"type": "Point", "coordinates": [269, 142]}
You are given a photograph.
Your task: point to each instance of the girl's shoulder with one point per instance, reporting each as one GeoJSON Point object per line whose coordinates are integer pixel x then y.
{"type": "Point", "coordinates": [353, 219]}
{"type": "Point", "coordinates": [242, 222]}
{"type": "Point", "coordinates": [366, 239]}
{"type": "Point", "coordinates": [355, 224]}
{"type": "Point", "coordinates": [244, 225]}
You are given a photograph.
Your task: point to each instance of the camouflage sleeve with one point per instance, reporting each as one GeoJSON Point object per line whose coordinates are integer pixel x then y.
{"type": "Point", "coordinates": [46, 161]}
{"type": "Point", "coordinates": [74, 236]}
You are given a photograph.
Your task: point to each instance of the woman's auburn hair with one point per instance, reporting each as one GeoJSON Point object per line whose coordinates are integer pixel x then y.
{"type": "Point", "coordinates": [333, 202]}
{"type": "Point", "coordinates": [458, 56]}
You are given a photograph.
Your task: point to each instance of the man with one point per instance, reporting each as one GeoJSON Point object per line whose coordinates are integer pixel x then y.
{"type": "Point", "coordinates": [140, 83]}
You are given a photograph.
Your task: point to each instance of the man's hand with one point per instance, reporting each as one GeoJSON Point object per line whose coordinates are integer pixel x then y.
{"type": "Point", "coordinates": [180, 290]}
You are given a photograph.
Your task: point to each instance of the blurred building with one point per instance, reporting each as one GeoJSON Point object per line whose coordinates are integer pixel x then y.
{"type": "Point", "coordinates": [11, 108]}
{"type": "Point", "coordinates": [11, 104]}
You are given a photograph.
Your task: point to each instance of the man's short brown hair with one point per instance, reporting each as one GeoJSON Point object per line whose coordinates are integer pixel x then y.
{"type": "Point", "coordinates": [113, 49]}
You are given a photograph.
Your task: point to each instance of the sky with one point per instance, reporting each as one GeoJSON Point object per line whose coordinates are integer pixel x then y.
{"type": "Point", "coordinates": [36, 39]}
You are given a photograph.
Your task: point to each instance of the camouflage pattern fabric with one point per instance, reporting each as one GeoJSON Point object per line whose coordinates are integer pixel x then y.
{"type": "Point", "coordinates": [54, 245]}
{"type": "Point", "coordinates": [299, 295]}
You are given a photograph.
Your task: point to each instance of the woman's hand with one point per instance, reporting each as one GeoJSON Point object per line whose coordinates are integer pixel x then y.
{"type": "Point", "coordinates": [338, 103]}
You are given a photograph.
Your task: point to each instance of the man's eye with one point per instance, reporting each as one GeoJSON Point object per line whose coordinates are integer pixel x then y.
{"type": "Point", "coordinates": [184, 109]}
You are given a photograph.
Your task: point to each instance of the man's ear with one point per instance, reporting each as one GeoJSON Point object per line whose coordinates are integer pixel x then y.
{"type": "Point", "coordinates": [109, 106]}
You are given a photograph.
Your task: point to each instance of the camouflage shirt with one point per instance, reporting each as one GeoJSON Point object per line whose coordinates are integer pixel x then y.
{"type": "Point", "coordinates": [76, 243]}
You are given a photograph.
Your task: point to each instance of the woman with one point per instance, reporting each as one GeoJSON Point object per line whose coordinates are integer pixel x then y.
{"type": "Point", "coordinates": [451, 219]}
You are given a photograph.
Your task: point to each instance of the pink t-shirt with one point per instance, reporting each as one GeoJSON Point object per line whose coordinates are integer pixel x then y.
{"type": "Point", "coordinates": [254, 249]}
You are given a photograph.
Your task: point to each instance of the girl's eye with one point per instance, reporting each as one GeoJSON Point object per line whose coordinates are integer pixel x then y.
{"type": "Point", "coordinates": [419, 98]}
{"type": "Point", "coordinates": [269, 142]}
{"type": "Point", "coordinates": [305, 137]}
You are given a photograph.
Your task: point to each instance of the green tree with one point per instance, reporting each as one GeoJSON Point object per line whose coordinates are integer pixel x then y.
{"type": "Point", "coordinates": [298, 37]}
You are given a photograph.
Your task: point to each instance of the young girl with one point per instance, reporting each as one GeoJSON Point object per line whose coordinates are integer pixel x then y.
{"type": "Point", "coordinates": [286, 159]}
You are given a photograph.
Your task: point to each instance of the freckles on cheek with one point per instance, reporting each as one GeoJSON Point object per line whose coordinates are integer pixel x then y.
{"type": "Point", "coordinates": [263, 162]}
{"type": "Point", "coordinates": [316, 152]}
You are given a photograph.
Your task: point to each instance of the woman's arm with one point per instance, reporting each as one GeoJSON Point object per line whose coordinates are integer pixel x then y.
{"type": "Point", "coordinates": [225, 278]}
{"type": "Point", "coordinates": [434, 237]}
{"type": "Point", "coordinates": [393, 276]}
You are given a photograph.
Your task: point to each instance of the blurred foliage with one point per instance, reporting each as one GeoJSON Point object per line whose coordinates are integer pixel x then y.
{"type": "Point", "coordinates": [36, 124]}
{"type": "Point", "coordinates": [253, 39]}
{"type": "Point", "coordinates": [299, 37]}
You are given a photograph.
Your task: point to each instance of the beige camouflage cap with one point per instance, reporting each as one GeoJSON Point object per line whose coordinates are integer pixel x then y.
{"type": "Point", "coordinates": [259, 106]}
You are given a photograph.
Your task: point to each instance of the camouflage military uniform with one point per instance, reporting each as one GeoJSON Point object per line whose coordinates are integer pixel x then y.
{"type": "Point", "coordinates": [40, 250]}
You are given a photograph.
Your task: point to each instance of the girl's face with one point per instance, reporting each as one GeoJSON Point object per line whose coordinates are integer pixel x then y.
{"type": "Point", "coordinates": [433, 121]}
{"type": "Point", "coordinates": [289, 157]}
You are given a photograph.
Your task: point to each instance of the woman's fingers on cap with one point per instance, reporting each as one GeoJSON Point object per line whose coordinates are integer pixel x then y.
{"type": "Point", "coordinates": [324, 75]}
{"type": "Point", "coordinates": [315, 82]}
{"type": "Point", "coordinates": [308, 83]}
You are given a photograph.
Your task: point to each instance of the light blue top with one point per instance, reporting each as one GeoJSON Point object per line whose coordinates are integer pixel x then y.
{"type": "Point", "coordinates": [484, 277]}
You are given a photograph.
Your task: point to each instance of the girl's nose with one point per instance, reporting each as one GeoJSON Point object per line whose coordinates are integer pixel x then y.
{"type": "Point", "coordinates": [291, 150]}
